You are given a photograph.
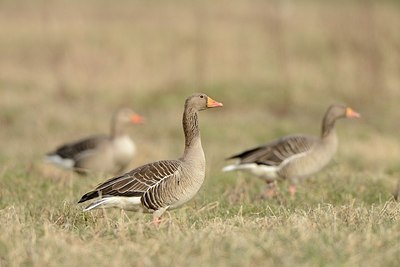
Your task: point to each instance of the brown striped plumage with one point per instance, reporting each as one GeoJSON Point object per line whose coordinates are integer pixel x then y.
{"type": "Point", "coordinates": [277, 151]}
{"type": "Point", "coordinates": [160, 185]}
{"type": "Point", "coordinates": [294, 157]}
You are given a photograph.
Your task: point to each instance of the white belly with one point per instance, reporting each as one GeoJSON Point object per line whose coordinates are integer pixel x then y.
{"type": "Point", "coordinates": [124, 150]}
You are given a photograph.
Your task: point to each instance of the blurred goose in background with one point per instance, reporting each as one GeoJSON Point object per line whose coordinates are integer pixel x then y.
{"type": "Point", "coordinates": [102, 153]}
{"type": "Point", "coordinates": [161, 185]}
{"type": "Point", "coordinates": [293, 157]}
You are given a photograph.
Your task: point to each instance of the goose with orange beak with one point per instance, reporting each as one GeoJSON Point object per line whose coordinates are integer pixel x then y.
{"type": "Point", "coordinates": [293, 157]}
{"type": "Point", "coordinates": [100, 153]}
{"type": "Point", "coordinates": [160, 185]}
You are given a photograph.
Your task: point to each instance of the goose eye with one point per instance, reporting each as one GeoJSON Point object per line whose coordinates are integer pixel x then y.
{"type": "Point", "coordinates": [201, 96]}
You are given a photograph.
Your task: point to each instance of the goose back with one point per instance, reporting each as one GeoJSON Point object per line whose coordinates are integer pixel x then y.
{"type": "Point", "coordinates": [274, 153]}
{"type": "Point", "coordinates": [73, 150]}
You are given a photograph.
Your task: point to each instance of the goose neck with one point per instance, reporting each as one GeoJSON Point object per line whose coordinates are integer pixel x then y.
{"type": "Point", "coordinates": [117, 129]}
{"type": "Point", "coordinates": [328, 127]}
{"type": "Point", "coordinates": [191, 129]}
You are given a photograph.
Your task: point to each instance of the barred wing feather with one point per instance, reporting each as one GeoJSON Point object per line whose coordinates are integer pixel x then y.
{"type": "Point", "coordinates": [136, 182]}
{"type": "Point", "coordinates": [274, 153]}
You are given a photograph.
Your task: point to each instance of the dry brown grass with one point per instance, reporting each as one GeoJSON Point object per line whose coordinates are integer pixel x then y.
{"type": "Point", "coordinates": [276, 66]}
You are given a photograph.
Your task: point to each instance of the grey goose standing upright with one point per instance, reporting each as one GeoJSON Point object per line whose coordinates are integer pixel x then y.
{"type": "Point", "coordinates": [161, 185]}
{"type": "Point", "coordinates": [293, 157]}
{"type": "Point", "coordinates": [102, 153]}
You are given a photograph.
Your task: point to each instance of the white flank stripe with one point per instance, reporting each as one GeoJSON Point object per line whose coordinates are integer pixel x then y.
{"type": "Point", "coordinates": [125, 203]}
{"type": "Point", "coordinates": [263, 171]}
{"type": "Point", "coordinates": [59, 161]}
{"type": "Point", "coordinates": [229, 168]}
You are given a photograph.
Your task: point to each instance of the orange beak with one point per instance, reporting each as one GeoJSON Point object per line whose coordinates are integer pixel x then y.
{"type": "Point", "coordinates": [137, 119]}
{"type": "Point", "coordinates": [352, 114]}
{"type": "Point", "coordinates": [211, 103]}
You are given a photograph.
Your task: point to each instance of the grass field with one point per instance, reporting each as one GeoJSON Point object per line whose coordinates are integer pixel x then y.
{"type": "Point", "coordinates": [65, 66]}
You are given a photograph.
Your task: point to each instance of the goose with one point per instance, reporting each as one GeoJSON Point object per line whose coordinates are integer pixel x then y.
{"type": "Point", "coordinates": [102, 153]}
{"type": "Point", "coordinates": [162, 185]}
{"type": "Point", "coordinates": [293, 157]}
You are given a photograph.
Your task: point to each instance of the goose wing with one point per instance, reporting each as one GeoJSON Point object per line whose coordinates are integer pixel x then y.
{"type": "Point", "coordinates": [274, 153]}
{"type": "Point", "coordinates": [136, 182]}
{"type": "Point", "coordinates": [78, 149]}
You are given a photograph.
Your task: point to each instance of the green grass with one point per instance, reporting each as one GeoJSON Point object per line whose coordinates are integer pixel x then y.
{"type": "Point", "coordinates": [65, 66]}
{"type": "Point", "coordinates": [46, 227]}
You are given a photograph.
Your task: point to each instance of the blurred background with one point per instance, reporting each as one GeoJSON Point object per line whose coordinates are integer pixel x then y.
{"type": "Point", "coordinates": [65, 66]}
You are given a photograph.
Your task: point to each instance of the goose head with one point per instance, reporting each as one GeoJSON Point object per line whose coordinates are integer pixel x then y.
{"type": "Point", "coordinates": [335, 112]}
{"type": "Point", "coordinates": [201, 101]}
{"type": "Point", "coordinates": [126, 116]}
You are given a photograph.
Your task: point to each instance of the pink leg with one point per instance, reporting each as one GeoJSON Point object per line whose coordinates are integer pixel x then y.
{"type": "Point", "coordinates": [270, 191]}
{"type": "Point", "coordinates": [156, 221]}
{"type": "Point", "coordinates": [292, 190]}
{"type": "Point", "coordinates": [157, 215]}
